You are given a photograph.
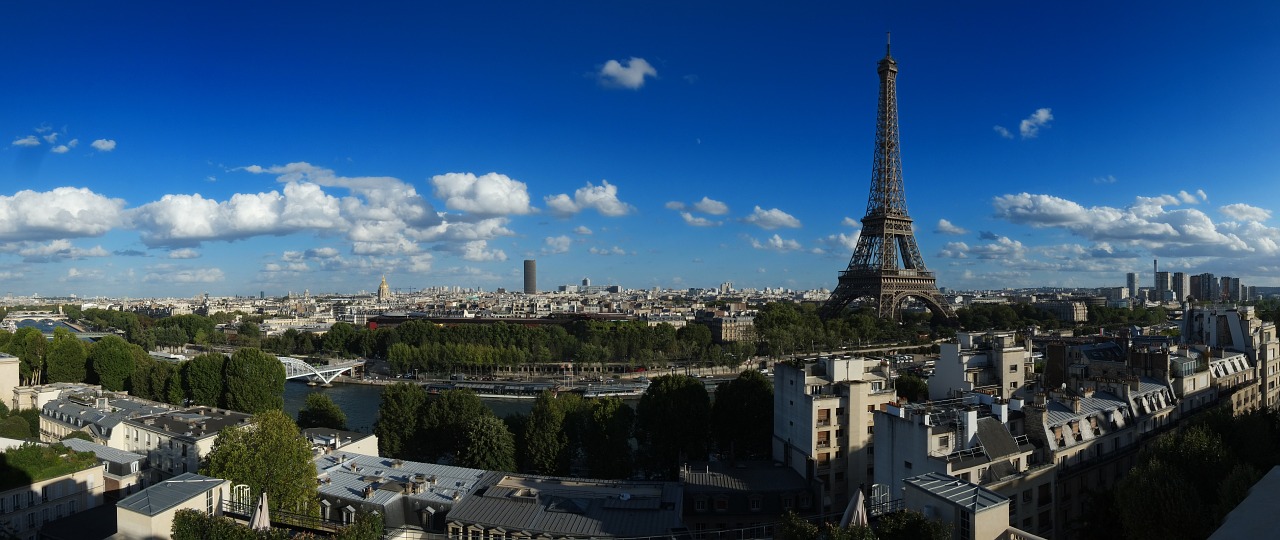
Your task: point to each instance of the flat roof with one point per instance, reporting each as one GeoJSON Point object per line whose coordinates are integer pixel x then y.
{"type": "Point", "coordinates": [169, 493]}
{"type": "Point", "coordinates": [572, 507]}
{"type": "Point", "coordinates": [957, 491]}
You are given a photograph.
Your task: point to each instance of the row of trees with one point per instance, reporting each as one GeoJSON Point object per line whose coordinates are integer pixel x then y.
{"type": "Point", "coordinates": [565, 433]}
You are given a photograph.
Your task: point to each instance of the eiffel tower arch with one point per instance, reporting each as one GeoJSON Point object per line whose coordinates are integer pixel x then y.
{"type": "Point", "coordinates": [886, 267]}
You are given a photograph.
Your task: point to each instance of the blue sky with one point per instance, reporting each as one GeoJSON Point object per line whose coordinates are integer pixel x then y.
{"type": "Point", "coordinates": [157, 149]}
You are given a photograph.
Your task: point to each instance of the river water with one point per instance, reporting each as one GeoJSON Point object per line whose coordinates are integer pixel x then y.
{"type": "Point", "coordinates": [360, 402]}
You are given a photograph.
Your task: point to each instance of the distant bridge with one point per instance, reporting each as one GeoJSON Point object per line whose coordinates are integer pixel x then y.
{"type": "Point", "coordinates": [298, 369]}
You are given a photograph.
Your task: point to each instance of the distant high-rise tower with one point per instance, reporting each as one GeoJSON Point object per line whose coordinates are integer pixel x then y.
{"type": "Point", "coordinates": [1131, 281]}
{"type": "Point", "coordinates": [530, 276]}
{"type": "Point", "coordinates": [586, 282]}
{"type": "Point", "coordinates": [384, 292]}
{"type": "Point", "coordinates": [1181, 286]}
{"type": "Point", "coordinates": [874, 270]}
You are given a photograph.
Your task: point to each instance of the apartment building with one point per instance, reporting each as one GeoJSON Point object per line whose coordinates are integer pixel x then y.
{"type": "Point", "coordinates": [993, 363]}
{"type": "Point", "coordinates": [977, 439]}
{"type": "Point", "coordinates": [94, 412]}
{"type": "Point", "coordinates": [823, 422]}
{"type": "Point", "coordinates": [1238, 329]}
{"type": "Point", "coordinates": [175, 441]}
{"type": "Point", "coordinates": [25, 508]}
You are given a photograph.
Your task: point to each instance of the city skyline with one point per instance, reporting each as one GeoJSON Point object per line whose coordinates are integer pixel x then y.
{"type": "Point", "coordinates": [171, 150]}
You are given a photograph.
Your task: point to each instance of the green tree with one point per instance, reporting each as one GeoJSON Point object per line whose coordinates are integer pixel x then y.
{"type": "Point", "coordinates": [1157, 501]}
{"type": "Point", "coordinates": [254, 382]}
{"type": "Point", "coordinates": [794, 527]}
{"type": "Point", "coordinates": [321, 412]}
{"type": "Point", "coordinates": [912, 387]}
{"type": "Point", "coordinates": [546, 444]}
{"type": "Point", "coordinates": [111, 359]}
{"type": "Point", "coordinates": [488, 445]}
{"type": "Point", "coordinates": [204, 379]}
{"type": "Point", "coordinates": [367, 526]}
{"type": "Point", "coordinates": [608, 441]}
{"type": "Point", "coordinates": [67, 358]}
{"type": "Point", "coordinates": [337, 338]}
{"type": "Point", "coordinates": [673, 419]}
{"type": "Point", "coordinates": [398, 426]}
{"type": "Point", "coordinates": [910, 525]}
{"type": "Point", "coordinates": [15, 427]}
{"type": "Point", "coordinates": [29, 345]}
{"type": "Point", "coordinates": [742, 416]}
{"type": "Point", "coordinates": [270, 456]}
{"type": "Point", "coordinates": [446, 420]}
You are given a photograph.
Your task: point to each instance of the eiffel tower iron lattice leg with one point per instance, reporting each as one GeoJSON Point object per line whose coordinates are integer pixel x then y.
{"type": "Point", "coordinates": [875, 272]}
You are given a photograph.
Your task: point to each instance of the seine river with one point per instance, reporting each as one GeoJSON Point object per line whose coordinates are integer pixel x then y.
{"type": "Point", "coordinates": [360, 402]}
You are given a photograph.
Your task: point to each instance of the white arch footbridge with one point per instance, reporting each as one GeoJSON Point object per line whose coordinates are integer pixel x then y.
{"type": "Point", "coordinates": [298, 369]}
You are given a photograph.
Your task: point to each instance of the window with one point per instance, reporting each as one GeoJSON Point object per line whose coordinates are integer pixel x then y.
{"type": "Point", "coordinates": [722, 504]}
{"type": "Point", "coordinates": [944, 441]}
{"type": "Point", "coordinates": [756, 504]}
{"type": "Point", "coordinates": [208, 502]}
{"type": "Point", "coordinates": [1013, 368]}
{"type": "Point", "coordinates": [906, 465]}
{"type": "Point", "coordinates": [700, 505]}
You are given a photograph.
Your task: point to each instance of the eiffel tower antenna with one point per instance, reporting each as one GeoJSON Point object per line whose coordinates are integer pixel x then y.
{"type": "Point", "coordinates": [875, 272]}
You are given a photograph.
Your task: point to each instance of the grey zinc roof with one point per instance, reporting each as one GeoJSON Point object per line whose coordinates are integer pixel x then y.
{"type": "Point", "coordinates": [105, 453]}
{"type": "Point", "coordinates": [169, 493]}
{"type": "Point", "coordinates": [346, 475]}
{"type": "Point", "coordinates": [1057, 414]}
{"type": "Point", "coordinates": [957, 491]}
{"type": "Point", "coordinates": [567, 507]}
{"type": "Point", "coordinates": [752, 476]}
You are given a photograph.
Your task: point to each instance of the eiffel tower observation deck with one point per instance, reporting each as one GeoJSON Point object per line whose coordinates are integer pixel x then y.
{"type": "Point", "coordinates": [886, 267]}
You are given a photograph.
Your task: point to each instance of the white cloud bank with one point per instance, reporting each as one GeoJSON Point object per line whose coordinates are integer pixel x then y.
{"type": "Point", "coordinates": [602, 198]}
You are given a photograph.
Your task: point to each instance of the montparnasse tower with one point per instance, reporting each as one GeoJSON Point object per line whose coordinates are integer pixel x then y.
{"type": "Point", "coordinates": [384, 292]}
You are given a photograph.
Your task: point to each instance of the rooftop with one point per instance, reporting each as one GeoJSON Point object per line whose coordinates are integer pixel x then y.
{"type": "Point", "coordinates": [957, 491]}
{"type": "Point", "coordinates": [196, 422]}
{"type": "Point", "coordinates": [571, 507]}
{"type": "Point", "coordinates": [381, 480]}
{"type": "Point", "coordinates": [748, 476]}
{"type": "Point", "coordinates": [169, 493]}
{"type": "Point", "coordinates": [105, 453]}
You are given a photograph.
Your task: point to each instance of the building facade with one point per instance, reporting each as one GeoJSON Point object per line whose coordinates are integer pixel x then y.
{"type": "Point", "coordinates": [823, 422]}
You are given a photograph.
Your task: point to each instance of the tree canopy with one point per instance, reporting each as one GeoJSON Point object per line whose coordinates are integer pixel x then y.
{"type": "Point", "coordinates": [673, 420]}
{"type": "Point", "coordinates": [254, 382]}
{"type": "Point", "coordinates": [488, 445]}
{"type": "Point", "coordinates": [321, 412]}
{"type": "Point", "coordinates": [742, 416]}
{"type": "Point", "coordinates": [269, 455]}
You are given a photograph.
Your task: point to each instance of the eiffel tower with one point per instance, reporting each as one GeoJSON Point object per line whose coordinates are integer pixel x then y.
{"type": "Point", "coordinates": [874, 272]}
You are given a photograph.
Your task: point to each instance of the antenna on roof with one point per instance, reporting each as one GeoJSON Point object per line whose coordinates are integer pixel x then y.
{"type": "Point", "coordinates": [886, 43]}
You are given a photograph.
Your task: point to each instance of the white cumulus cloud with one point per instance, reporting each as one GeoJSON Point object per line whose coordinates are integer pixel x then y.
{"type": "Point", "coordinates": [1245, 212]}
{"type": "Point", "coordinates": [581, 229]}
{"type": "Point", "coordinates": [490, 194]}
{"type": "Point", "coordinates": [697, 221]}
{"type": "Point", "coordinates": [776, 243]}
{"type": "Point", "coordinates": [103, 145]}
{"type": "Point", "coordinates": [631, 75]}
{"type": "Point", "coordinates": [772, 218]}
{"type": "Point", "coordinates": [710, 206]}
{"type": "Point", "coordinates": [184, 253]}
{"type": "Point", "coordinates": [602, 198]}
{"type": "Point", "coordinates": [556, 244]}
{"type": "Point", "coordinates": [946, 227]}
{"type": "Point", "coordinates": [29, 140]}
{"type": "Point", "coordinates": [63, 212]}
{"type": "Point", "coordinates": [1030, 126]}
{"type": "Point", "coordinates": [615, 250]}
